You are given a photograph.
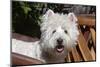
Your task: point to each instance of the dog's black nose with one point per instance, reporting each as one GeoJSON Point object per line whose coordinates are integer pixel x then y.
{"type": "Point", "coordinates": [59, 41]}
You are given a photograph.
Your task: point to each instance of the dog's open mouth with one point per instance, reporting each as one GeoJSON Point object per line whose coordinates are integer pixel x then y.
{"type": "Point", "coordinates": [59, 48]}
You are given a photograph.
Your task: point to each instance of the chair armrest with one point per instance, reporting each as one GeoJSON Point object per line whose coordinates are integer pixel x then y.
{"type": "Point", "coordinates": [18, 59]}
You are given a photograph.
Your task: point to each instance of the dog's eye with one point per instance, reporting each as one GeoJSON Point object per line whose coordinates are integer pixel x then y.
{"type": "Point", "coordinates": [54, 31]}
{"type": "Point", "coordinates": [66, 31]}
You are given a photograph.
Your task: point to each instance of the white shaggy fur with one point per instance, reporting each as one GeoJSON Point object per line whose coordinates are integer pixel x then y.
{"type": "Point", "coordinates": [55, 27]}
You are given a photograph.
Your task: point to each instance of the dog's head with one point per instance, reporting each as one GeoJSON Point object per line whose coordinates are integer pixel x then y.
{"type": "Point", "coordinates": [59, 31]}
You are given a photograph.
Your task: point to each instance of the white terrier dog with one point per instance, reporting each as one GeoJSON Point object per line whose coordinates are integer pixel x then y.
{"type": "Point", "coordinates": [59, 33]}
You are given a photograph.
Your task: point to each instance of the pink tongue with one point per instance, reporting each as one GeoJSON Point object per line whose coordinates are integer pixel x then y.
{"type": "Point", "coordinates": [60, 49]}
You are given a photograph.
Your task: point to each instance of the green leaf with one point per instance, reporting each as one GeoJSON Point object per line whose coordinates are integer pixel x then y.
{"type": "Point", "coordinates": [26, 9]}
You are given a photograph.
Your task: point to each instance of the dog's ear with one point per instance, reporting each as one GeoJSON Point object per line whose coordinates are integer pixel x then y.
{"type": "Point", "coordinates": [72, 17]}
{"type": "Point", "coordinates": [49, 13]}
{"type": "Point", "coordinates": [44, 18]}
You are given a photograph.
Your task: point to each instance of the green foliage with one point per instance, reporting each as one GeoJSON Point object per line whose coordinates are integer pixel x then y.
{"type": "Point", "coordinates": [25, 18]}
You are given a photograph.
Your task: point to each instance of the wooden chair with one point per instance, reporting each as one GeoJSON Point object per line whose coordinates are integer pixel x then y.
{"type": "Point", "coordinates": [86, 45]}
